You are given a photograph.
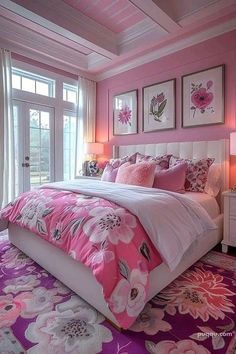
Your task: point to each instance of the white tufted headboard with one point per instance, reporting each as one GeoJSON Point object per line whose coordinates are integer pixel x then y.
{"type": "Point", "coordinates": [218, 149]}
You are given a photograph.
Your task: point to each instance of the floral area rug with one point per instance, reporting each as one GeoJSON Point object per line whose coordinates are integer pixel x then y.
{"type": "Point", "coordinates": [194, 314]}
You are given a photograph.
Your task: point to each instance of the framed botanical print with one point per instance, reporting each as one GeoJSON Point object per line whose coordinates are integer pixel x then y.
{"type": "Point", "coordinates": [159, 106]}
{"type": "Point", "coordinates": [203, 97]}
{"type": "Point", "coordinates": [125, 113]}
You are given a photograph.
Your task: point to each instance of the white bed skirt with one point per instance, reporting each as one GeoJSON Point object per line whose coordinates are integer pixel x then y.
{"type": "Point", "coordinates": [80, 279]}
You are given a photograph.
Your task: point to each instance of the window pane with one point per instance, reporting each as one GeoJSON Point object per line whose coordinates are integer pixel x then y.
{"type": "Point", "coordinates": [71, 96]}
{"type": "Point", "coordinates": [45, 138]}
{"type": "Point", "coordinates": [35, 137]}
{"type": "Point", "coordinates": [69, 144]}
{"type": "Point", "coordinates": [64, 95]}
{"type": "Point", "coordinates": [16, 82]}
{"type": "Point", "coordinates": [44, 120]}
{"type": "Point", "coordinates": [28, 85]}
{"type": "Point", "coordinates": [42, 88]}
{"type": "Point", "coordinates": [34, 118]}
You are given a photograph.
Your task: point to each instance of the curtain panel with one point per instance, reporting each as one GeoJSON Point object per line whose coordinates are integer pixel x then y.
{"type": "Point", "coordinates": [86, 122]}
{"type": "Point", "coordinates": [7, 155]}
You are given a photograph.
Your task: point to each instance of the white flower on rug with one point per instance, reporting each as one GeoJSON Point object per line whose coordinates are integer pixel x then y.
{"type": "Point", "coordinates": [61, 288]}
{"type": "Point", "coordinates": [107, 223]}
{"type": "Point", "coordinates": [23, 283]}
{"type": "Point", "coordinates": [14, 258]}
{"type": "Point", "coordinates": [171, 347]}
{"type": "Point", "coordinates": [70, 329]}
{"type": "Point", "coordinates": [130, 294]}
{"type": "Point", "coordinates": [42, 300]}
{"type": "Point", "coordinates": [150, 321]}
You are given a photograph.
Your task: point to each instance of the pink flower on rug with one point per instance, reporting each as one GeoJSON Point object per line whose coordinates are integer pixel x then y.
{"type": "Point", "coordinates": [124, 115]}
{"type": "Point", "coordinates": [73, 328]}
{"type": "Point", "coordinates": [150, 321]}
{"type": "Point", "coordinates": [41, 300]}
{"type": "Point", "coordinates": [14, 258]}
{"type": "Point", "coordinates": [201, 98]}
{"type": "Point", "coordinates": [198, 293]}
{"type": "Point", "coordinates": [107, 223]}
{"type": "Point", "coordinates": [187, 346]}
{"type": "Point", "coordinates": [130, 294]}
{"type": "Point", "coordinates": [11, 308]}
{"type": "Point", "coordinates": [23, 283]}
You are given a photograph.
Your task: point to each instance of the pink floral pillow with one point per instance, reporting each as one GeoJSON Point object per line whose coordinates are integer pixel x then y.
{"type": "Point", "coordinates": [162, 161]}
{"type": "Point", "coordinates": [172, 179]}
{"type": "Point", "coordinates": [196, 174]}
{"type": "Point", "coordinates": [141, 174]}
{"type": "Point", "coordinates": [110, 171]}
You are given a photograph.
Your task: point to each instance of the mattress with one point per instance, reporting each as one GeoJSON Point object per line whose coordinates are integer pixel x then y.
{"type": "Point", "coordinates": [206, 201]}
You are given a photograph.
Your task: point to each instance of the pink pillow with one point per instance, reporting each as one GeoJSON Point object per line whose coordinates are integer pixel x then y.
{"type": "Point", "coordinates": [141, 174]}
{"type": "Point", "coordinates": [172, 179]}
{"type": "Point", "coordinates": [111, 169]}
{"type": "Point", "coordinates": [162, 161]}
{"type": "Point", "coordinates": [196, 174]}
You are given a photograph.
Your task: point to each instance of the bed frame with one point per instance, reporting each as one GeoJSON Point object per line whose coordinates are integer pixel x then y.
{"type": "Point", "coordinates": [80, 279]}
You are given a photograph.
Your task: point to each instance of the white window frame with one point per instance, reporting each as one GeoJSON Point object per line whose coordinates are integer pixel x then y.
{"type": "Point", "coordinates": [56, 102]}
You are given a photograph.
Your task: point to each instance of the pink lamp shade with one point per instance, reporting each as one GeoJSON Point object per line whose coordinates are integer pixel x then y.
{"type": "Point", "coordinates": [233, 143]}
{"type": "Point", "coordinates": [94, 148]}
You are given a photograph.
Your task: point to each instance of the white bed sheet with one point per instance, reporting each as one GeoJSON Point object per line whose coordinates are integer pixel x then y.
{"type": "Point", "coordinates": [206, 201]}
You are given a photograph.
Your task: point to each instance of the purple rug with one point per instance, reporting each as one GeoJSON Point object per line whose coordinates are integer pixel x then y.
{"type": "Point", "coordinates": [194, 315]}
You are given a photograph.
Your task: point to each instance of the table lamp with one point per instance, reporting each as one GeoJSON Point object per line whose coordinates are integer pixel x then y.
{"type": "Point", "coordinates": [92, 150]}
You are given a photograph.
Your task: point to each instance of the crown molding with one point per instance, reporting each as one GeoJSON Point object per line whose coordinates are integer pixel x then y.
{"type": "Point", "coordinates": [170, 49]}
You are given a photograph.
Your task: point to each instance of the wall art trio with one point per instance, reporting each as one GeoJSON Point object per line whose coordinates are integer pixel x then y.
{"type": "Point", "coordinates": [202, 103]}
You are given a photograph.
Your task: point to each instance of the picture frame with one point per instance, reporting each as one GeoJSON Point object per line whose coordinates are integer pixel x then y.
{"type": "Point", "coordinates": [125, 113]}
{"type": "Point", "coordinates": [203, 97]}
{"type": "Point", "coordinates": [159, 106]}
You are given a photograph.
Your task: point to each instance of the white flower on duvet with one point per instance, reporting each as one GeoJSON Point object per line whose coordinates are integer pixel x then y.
{"type": "Point", "coordinates": [130, 294]}
{"type": "Point", "coordinates": [33, 212]}
{"type": "Point", "coordinates": [101, 255]}
{"type": "Point", "coordinates": [107, 223]}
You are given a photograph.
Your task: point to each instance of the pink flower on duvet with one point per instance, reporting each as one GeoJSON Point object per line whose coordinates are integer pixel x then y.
{"type": "Point", "coordinates": [107, 223]}
{"type": "Point", "coordinates": [130, 294]}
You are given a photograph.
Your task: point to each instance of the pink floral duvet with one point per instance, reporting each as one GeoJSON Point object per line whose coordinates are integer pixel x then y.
{"type": "Point", "coordinates": [100, 234]}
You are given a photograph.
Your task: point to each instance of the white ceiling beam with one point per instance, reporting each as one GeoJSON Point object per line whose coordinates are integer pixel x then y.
{"type": "Point", "coordinates": [150, 9]}
{"type": "Point", "coordinates": [22, 38]}
{"type": "Point", "coordinates": [59, 17]}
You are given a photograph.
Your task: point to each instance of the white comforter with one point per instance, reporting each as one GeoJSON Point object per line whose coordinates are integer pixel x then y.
{"type": "Point", "coordinates": [171, 220]}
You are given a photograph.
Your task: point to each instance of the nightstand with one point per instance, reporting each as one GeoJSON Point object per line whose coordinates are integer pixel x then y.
{"type": "Point", "coordinates": [229, 238]}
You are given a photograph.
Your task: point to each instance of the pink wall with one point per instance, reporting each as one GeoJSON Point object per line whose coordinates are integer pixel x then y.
{"type": "Point", "coordinates": [216, 51]}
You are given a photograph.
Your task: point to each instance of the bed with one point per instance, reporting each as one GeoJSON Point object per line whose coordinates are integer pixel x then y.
{"type": "Point", "coordinates": [80, 278]}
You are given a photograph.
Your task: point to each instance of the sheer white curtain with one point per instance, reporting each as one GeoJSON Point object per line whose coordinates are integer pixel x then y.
{"type": "Point", "coordinates": [7, 156]}
{"type": "Point", "coordinates": [87, 118]}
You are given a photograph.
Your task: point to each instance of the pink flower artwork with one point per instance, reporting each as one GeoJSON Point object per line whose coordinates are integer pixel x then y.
{"type": "Point", "coordinates": [125, 114]}
{"type": "Point", "coordinates": [202, 98]}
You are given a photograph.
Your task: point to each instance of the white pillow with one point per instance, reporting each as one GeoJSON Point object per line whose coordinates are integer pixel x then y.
{"type": "Point", "coordinates": [214, 180]}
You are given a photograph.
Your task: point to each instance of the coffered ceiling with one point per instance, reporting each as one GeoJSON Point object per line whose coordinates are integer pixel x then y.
{"type": "Point", "coordinates": [100, 38]}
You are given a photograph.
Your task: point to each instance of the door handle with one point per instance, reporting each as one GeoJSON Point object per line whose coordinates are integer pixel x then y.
{"type": "Point", "coordinates": [25, 164]}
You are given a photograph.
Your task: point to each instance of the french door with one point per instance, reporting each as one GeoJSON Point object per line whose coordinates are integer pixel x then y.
{"type": "Point", "coordinates": [34, 145]}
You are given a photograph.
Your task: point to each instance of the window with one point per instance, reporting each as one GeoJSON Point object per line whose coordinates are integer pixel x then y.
{"type": "Point", "coordinates": [27, 81]}
{"type": "Point", "coordinates": [69, 144]}
{"type": "Point", "coordinates": [45, 117]}
{"type": "Point", "coordinates": [70, 93]}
